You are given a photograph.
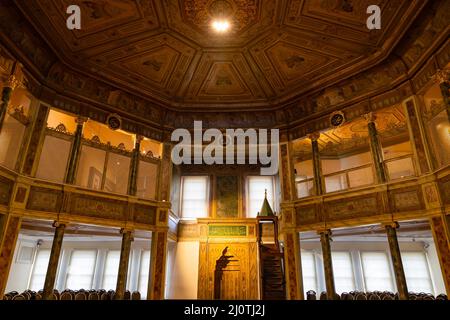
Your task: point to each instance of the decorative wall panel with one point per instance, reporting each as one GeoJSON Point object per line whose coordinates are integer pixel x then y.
{"type": "Point", "coordinates": [307, 214]}
{"type": "Point", "coordinates": [6, 187]}
{"type": "Point", "coordinates": [144, 214]}
{"type": "Point", "coordinates": [407, 199]}
{"type": "Point", "coordinates": [43, 199]}
{"type": "Point", "coordinates": [227, 196]}
{"type": "Point", "coordinates": [84, 205]}
{"type": "Point", "coordinates": [355, 207]}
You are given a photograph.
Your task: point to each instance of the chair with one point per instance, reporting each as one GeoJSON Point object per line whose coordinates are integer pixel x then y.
{"type": "Point", "coordinates": [348, 296]}
{"type": "Point", "coordinates": [93, 296]}
{"type": "Point", "coordinates": [374, 296]}
{"type": "Point", "coordinates": [323, 296]}
{"type": "Point", "coordinates": [311, 295]}
{"type": "Point", "coordinates": [66, 296]}
{"type": "Point", "coordinates": [136, 295]}
{"type": "Point", "coordinates": [442, 297]}
{"type": "Point", "coordinates": [105, 296]}
{"type": "Point", "coordinates": [19, 297]}
{"type": "Point", "coordinates": [81, 296]}
{"type": "Point", "coordinates": [361, 296]}
{"type": "Point", "coordinates": [127, 295]}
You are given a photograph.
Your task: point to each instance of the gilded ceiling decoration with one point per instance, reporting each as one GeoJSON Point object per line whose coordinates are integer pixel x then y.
{"type": "Point", "coordinates": [167, 52]}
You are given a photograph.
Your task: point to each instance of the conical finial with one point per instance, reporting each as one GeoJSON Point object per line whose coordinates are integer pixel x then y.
{"type": "Point", "coordinates": [266, 210]}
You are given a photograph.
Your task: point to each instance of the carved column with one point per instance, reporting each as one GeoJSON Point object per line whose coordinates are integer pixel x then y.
{"type": "Point", "coordinates": [441, 234]}
{"type": "Point", "coordinates": [157, 272]}
{"type": "Point", "coordinates": [35, 143]}
{"type": "Point", "coordinates": [53, 262]}
{"type": "Point", "coordinates": [127, 238]}
{"type": "Point", "coordinates": [317, 165]}
{"type": "Point", "coordinates": [443, 79]}
{"type": "Point", "coordinates": [165, 174]}
{"type": "Point", "coordinates": [375, 148]}
{"type": "Point", "coordinates": [75, 151]}
{"type": "Point", "coordinates": [12, 82]}
{"type": "Point", "coordinates": [396, 257]}
{"type": "Point", "coordinates": [417, 136]}
{"type": "Point", "coordinates": [292, 262]}
{"type": "Point", "coordinates": [134, 166]}
{"type": "Point", "coordinates": [286, 171]}
{"type": "Point", "coordinates": [10, 227]}
{"type": "Point", "coordinates": [325, 236]}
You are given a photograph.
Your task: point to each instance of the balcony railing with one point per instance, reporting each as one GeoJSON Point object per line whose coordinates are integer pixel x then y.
{"type": "Point", "coordinates": [349, 178]}
{"type": "Point", "coordinates": [361, 176]}
{"type": "Point", "coordinates": [305, 188]}
{"type": "Point", "coordinates": [400, 167]}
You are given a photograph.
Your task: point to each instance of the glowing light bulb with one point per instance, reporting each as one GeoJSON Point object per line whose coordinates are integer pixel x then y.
{"type": "Point", "coordinates": [221, 26]}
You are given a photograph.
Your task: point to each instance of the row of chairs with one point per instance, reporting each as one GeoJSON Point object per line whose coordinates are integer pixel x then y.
{"type": "Point", "coordinates": [71, 295]}
{"type": "Point", "coordinates": [375, 295]}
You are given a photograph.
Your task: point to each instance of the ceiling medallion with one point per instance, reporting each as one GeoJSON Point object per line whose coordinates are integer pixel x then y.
{"type": "Point", "coordinates": [221, 15]}
{"type": "Point", "coordinates": [114, 121]}
{"type": "Point", "coordinates": [337, 119]}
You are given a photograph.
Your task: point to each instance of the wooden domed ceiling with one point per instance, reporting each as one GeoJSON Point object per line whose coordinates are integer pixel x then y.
{"type": "Point", "coordinates": [274, 51]}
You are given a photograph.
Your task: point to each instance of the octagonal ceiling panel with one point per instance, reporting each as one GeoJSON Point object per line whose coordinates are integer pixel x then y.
{"type": "Point", "coordinates": [224, 78]}
{"type": "Point", "coordinates": [289, 62]}
{"type": "Point", "coordinates": [159, 63]}
{"type": "Point", "coordinates": [343, 18]}
{"type": "Point", "coordinates": [248, 18]}
{"type": "Point", "coordinates": [293, 62]}
{"type": "Point", "coordinates": [101, 20]}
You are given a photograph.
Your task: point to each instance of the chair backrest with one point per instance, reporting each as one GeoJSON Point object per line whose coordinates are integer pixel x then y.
{"type": "Point", "coordinates": [27, 295]}
{"type": "Point", "coordinates": [374, 296]}
{"type": "Point", "coordinates": [442, 297]}
{"type": "Point", "coordinates": [127, 295]}
{"type": "Point", "coordinates": [66, 296]}
{"type": "Point", "coordinates": [323, 296]}
{"type": "Point", "coordinates": [93, 296]}
{"type": "Point", "coordinates": [136, 295]}
{"type": "Point", "coordinates": [105, 296]}
{"type": "Point", "coordinates": [361, 296]}
{"type": "Point", "coordinates": [19, 297]}
{"type": "Point", "coordinates": [81, 296]}
{"type": "Point", "coordinates": [311, 295]}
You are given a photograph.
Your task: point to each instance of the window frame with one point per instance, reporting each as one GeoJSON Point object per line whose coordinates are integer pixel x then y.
{"type": "Point", "coordinates": [247, 191]}
{"type": "Point", "coordinates": [69, 262]}
{"type": "Point", "coordinates": [207, 196]}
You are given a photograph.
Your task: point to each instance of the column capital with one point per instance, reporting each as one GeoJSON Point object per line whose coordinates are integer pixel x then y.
{"type": "Point", "coordinates": [314, 136]}
{"type": "Point", "coordinates": [392, 224]}
{"type": "Point", "coordinates": [139, 138]}
{"type": "Point", "coordinates": [81, 120]}
{"type": "Point", "coordinates": [370, 117]}
{"type": "Point", "coordinates": [57, 224]}
{"type": "Point", "coordinates": [12, 82]}
{"type": "Point", "coordinates": [442, 76]}
{"type": "Point", "coordinates": [127, 230]}
{"type": "Point", "coordinates": [324, 231]}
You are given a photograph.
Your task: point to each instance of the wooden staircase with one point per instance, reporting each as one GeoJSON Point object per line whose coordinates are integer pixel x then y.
{"type": "Point", "coordinates": [271, 258]}
{"type": "Point", "coordinates": [273, 284]}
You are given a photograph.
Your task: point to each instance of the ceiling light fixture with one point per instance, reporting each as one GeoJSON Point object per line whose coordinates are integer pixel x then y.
{"type": "Point", "coordinates": [221, 26]}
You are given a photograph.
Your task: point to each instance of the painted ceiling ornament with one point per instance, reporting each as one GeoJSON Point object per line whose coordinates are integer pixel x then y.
{"type": "Point", "coordinates": [201, 13]}
{"type": "Point", "coordinates": [337, 119]}
{"type": "Point", "coordinates": [114, 121]}
{"type": "Point", "coordinates": [61, 128]}
{"type": "Point", "coordinates": [442, 76]}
